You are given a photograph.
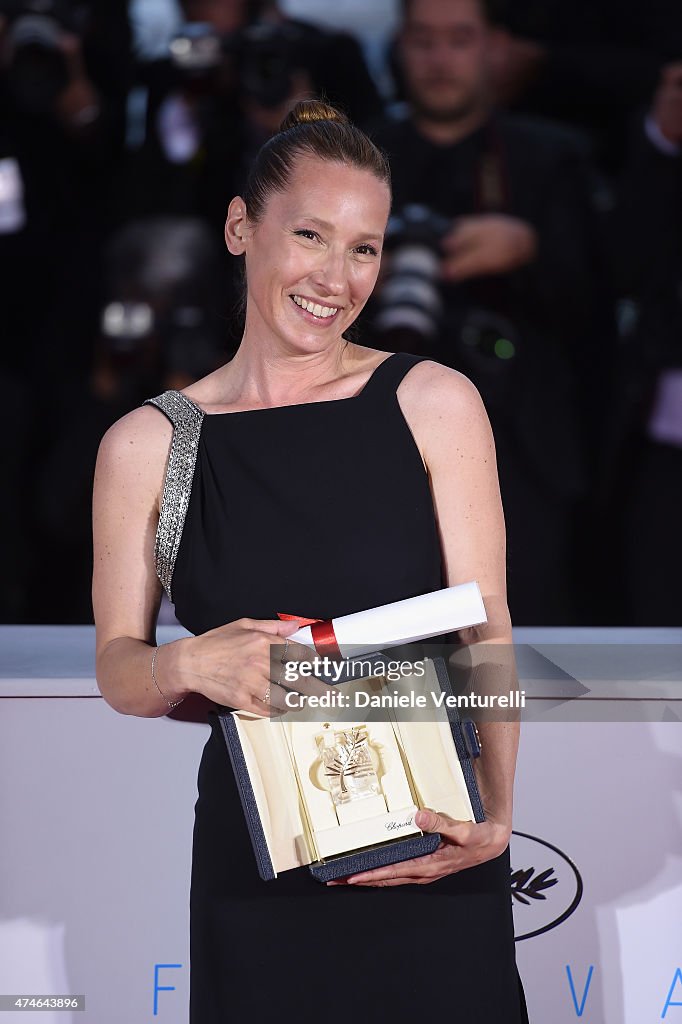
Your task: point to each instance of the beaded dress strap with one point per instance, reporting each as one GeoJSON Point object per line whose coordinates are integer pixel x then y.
{"type": "Point", "coordinates": [187, 419]}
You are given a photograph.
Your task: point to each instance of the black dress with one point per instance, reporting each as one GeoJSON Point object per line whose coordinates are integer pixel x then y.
{"type": "Point", "coordinates": [319, 510]}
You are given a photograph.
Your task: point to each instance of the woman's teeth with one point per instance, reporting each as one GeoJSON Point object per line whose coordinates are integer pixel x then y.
{"type": "Point", "coordinates": [315, 308]}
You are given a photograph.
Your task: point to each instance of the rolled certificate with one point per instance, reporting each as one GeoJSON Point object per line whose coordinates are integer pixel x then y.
{"type": "Point", "coordinates": [416, 618]}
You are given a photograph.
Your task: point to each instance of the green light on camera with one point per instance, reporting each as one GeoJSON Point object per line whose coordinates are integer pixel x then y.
{"type": "Point", "coordinates": [504, 348]}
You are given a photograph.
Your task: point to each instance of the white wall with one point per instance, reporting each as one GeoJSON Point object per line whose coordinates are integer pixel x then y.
{"type": "Point", "coordinates": [97, 812]}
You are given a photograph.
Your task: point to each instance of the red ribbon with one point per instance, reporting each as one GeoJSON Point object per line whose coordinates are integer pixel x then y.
{"type": "Point", "coordinates": [322, 630]}
{"type": "Point", "coordinates": [296, 618]}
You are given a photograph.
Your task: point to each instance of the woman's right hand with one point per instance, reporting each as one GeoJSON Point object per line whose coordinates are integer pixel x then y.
{"type": "Point", "coordinates": [234, 665]}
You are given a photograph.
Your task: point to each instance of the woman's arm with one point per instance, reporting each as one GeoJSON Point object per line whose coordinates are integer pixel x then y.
{"type": "Point", "coordinates": [452, 428]}
{"type": "Point", "coordinates": [126, 592]}
{"type": "Point", "coordinates": [230, 664]}
{"type": "Point", "coordinates": [452, 431]}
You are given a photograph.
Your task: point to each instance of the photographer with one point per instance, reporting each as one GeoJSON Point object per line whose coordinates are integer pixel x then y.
{"type": "Point", "coordinates": [157, 330]}
{"type": "Point", "coordinates": [63, 80]}
{"type": "Point", "coordinates": [333, 59]}
{"type": "Point", "coordinates": [589, 63]}
{"type": "Point", "coordinates": [62, 96]}
{"type": "Point", "coordinates": [493, 275]}
{"type": "Point", "coordinates": [234, 70]}
{"type": "Point", "coordinates": [646, 257]}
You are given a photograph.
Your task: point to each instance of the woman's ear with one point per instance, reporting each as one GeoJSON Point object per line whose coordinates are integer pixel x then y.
{"type": "Point", "coordinates": [237, 228]}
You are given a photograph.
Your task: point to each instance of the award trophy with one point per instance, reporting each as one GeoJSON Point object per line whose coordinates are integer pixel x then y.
{"type": "Point", "coordinates": [341, 796]}
{"type": "Point", "coordinates": [353, 785]}
{"type": "Point", "coordinates": [348, 765]}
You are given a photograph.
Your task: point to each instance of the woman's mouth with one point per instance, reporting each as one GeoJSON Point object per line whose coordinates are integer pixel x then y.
{"type": "Point", "coordinates": [314, 309]}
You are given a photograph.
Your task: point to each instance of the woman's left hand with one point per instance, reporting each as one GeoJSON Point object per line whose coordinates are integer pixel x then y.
{"type": "Point", "coordinates": [464, 844]}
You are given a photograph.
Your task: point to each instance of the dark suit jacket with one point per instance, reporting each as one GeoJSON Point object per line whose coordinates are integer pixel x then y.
{"type": "Point", "coordinates": [547, 182]}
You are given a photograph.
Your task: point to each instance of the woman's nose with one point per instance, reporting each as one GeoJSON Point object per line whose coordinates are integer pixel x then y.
{"type": "Point", "coordinates": [331, 275]}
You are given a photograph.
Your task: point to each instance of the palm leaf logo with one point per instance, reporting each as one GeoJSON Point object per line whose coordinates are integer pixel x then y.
{"type": "Point", "coordinates": [527, 886]}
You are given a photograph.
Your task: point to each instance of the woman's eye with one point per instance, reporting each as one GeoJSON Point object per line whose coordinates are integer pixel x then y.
{"type": "Point", "coordinates": [306, 233]}
{"type": "Point", "coordinates": [367, 250]}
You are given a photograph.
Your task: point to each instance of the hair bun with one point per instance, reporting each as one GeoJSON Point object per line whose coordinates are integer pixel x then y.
{"type": "Point", "coordinates": [312, 110]}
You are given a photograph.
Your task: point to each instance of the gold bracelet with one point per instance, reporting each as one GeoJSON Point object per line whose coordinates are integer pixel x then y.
{"type": "Point", "coordinates": [170, 703]}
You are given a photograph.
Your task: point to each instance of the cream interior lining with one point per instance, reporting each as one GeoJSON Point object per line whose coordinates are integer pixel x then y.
{"type": "Point", "coordinates": [427, 747]}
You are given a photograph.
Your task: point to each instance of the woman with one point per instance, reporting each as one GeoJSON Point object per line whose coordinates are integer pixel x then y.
{"type": "Point", "coordinates": [316, 476]}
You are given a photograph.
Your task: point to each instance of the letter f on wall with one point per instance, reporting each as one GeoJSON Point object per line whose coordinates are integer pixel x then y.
{"type": "Point", "coordinates": [161, 988]}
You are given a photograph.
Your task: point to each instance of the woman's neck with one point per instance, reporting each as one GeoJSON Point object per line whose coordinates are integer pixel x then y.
{"type": "Point", "coordinates": [267, 378]}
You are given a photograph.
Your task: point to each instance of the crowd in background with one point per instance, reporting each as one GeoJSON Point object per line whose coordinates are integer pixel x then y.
{"type": "Point", "coordinates": [535, 244]}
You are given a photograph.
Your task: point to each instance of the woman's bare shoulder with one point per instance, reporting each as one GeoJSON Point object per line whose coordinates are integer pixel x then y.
{"type": "Point", "coordinates": [435, 396]}
{"type": "Point", "coordinates": [143, 428]}
{"type": "Point", "coordinates": [134, 449]}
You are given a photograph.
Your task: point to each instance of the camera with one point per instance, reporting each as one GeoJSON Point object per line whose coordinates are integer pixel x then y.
{"type": "Point", "coordinates": [263, 57]}
{"type": "Point", "coordinates": [415, 312]}
{"type": "Point", "coordinates": [196, 49]}
{"type": "Point", "coordinates": [410, 299]}
{"type": "Point", "coordinates": [162, 280]}
{"type": "Point", "coordinates": [36, 67]}
{"type": "Point", "coordinates": [267, 56]}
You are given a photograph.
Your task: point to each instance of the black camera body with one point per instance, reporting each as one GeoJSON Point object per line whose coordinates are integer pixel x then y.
{"type": "Point", "coordinates": [36, 67]}
{"type": "Point", "coordinates": [410, 299]}
{"type": "Point", "coordinates": [263, 56]}
{"type": "Point", "coordinates": [416, 312]}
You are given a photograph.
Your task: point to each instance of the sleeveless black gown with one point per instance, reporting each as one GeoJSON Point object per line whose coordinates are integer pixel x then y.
{"type": "Point", "coordinates": [319, 510]}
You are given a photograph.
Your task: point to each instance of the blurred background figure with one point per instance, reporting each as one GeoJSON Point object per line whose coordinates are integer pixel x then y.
{"type": "Point", "coordinates": [233, 68]}
{"type": "Point", "coordinates": [198, 115]}
{"type": "Point", "coordinates": [491, 267]}
{"type": "Point", "coordinates": [372, 24]}
{"type": "Point", "coordinates": [586, 64]}
{"type": "Point", "coordinates": [158, 330]}
{"type": "Point", "coordinates": [646, 240]}
{"type": "Point", "coordinates": [64, 75]}
{"type": "Point", "coordinates": [534, 245]}
{"type": "Point", "coordinates": [65, 70]}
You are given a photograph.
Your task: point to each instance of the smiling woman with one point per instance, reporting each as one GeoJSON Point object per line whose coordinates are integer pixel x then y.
{"type": "Point", "coordinates": [343, 478]}
{"type": "Point", "coordinates": [307, 269]}
{"type": "Point", "coordinates": [325, 264]}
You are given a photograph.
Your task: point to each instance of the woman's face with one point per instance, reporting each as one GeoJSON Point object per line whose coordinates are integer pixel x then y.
{"type": "Point", "coordinates": [313, 259]}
